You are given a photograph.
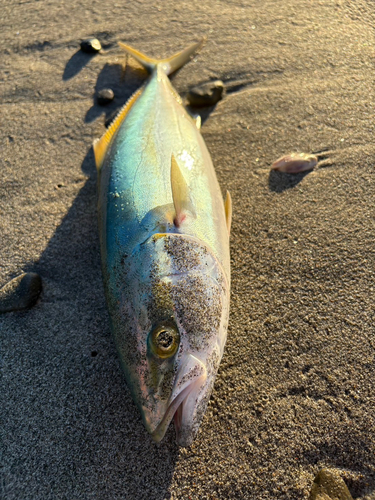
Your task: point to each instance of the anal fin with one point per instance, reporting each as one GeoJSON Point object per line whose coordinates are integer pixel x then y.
{"type": "Point", "coordinates": [101, 145]}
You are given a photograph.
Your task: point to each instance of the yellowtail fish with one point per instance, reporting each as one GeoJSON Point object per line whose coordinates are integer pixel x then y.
{"type": "Point", "coordinates": [164, 232]}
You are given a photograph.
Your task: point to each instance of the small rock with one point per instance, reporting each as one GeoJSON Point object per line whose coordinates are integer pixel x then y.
{"type": "Point", "coordinates": [206, 94]}
{"type": "Point", "coordinates": [91, 46]}
{"type": "Point", "coordinates": [294, 163]}
{"type": "Point", "coordinates": [328, 485]}
{"type": "Point", "coordinates": [105, 96]}
{"type": "Point", "coordinates": [20, 293]}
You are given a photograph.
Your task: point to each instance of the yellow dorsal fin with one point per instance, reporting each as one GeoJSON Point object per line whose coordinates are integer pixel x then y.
{"type": "Point", "coordinates": [228, 211]}
{"type": "Point", "coordinates": [101, 145]}
{"type": "Point", "coordinates": [180, 194]}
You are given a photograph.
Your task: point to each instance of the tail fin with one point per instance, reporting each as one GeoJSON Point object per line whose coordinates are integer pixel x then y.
{"type": "Point", "coordinates": [171, 64]}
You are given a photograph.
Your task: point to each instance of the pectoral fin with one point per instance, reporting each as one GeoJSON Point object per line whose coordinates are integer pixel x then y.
{"type": "Point", "coordinates": [180, 194]}
{"type": "Point", "coordinates": [228, 211]}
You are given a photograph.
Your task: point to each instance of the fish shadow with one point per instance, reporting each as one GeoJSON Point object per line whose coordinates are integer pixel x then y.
{"type": "Point", "coordinates": [101, 449]}
{"type": "Point", "coordinates": [123, 83]}
{"type": "Point", "coordinates": [281, 181]}
{"type": "Point", "coordinates": [100, 446]}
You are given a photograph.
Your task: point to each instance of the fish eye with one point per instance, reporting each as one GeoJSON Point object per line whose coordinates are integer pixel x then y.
{"type": "Point", "coordinates": [164, 340]}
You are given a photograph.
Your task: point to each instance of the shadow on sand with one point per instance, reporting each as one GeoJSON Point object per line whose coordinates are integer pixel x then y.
{"type": "Point", "coordinates": [106, 451]}
{"type": "Point", "coordinates": [280, 181]}
{"type": "Point", "coordinates": [75, 64]}
{"type": "Point", "coordinates": [124, 80]}
{"type": "Point", "coordinates": [103, 449]}
{"type": "Point", "coordinates": [90, 440]}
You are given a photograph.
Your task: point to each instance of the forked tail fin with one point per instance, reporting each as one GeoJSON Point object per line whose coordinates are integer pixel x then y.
{"type": "Point", "coordinates": [171, 64]}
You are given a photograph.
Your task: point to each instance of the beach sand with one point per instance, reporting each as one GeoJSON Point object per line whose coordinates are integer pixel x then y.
{"type": "Point", "coordinates": [295, 391]}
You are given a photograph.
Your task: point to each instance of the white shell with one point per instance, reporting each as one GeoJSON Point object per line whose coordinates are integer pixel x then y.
{"type": "Point", "coordinates": [294, 163]}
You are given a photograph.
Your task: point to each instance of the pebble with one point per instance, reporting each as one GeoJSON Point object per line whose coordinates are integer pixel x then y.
{"type": "Point", "coordinates": [20, 293]}
{"type": "Point", "coordinates": [206, 94]}
{"type": "Point", "coordinates": [91, 46]}
{"type": "Point", "coordinates": [294, 163]}
{"type": "Point", "coordinates": [328, 485]}
{"type": "Point", "coordinates": [105, 96]}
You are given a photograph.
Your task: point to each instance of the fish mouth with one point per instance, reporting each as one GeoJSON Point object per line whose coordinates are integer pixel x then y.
{"type": "Point", "coordinates": [186, 392]}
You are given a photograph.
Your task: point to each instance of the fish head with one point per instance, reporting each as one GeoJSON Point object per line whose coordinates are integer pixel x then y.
{"type": "Point", "coordinates": [170, 323]}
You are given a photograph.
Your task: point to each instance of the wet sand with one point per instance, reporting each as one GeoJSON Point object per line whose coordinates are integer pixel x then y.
{"type": "Point", "coordinates": [295, 391]}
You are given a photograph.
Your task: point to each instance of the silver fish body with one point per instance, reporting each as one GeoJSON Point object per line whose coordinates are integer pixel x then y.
{"type": "Point", "coordinates": [165, 256]}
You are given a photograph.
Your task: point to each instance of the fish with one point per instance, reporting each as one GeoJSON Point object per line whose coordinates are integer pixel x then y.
{"type": "Point", "coordinates": [164, 237]}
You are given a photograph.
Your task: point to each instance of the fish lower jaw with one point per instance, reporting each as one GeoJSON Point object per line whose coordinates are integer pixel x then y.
{"type": "Point", "coordinates": [180, 410]}
{"type": "Point", "coordinates": [161, 429]}
{"type": "Point", "coordinates": [187, 418]}
{"type": "Point", "coordinates": [184, 436]}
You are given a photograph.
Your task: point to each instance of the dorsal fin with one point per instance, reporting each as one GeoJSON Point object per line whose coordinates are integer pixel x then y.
{"type": "Point", "coordinates": [228, 211]}
{"type": "Point", "coordinates": [101, 145]}
{"type": "Point", "coordinates": [180, 194]}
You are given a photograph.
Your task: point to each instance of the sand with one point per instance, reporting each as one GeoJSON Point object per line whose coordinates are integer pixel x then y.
{"type": "Point", "coordinates": [295, 392]}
